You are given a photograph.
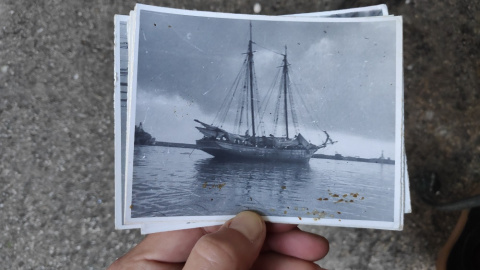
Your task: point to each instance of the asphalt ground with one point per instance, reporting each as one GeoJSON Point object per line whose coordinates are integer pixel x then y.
{"type": "Point", "coordinates": [56, 131]}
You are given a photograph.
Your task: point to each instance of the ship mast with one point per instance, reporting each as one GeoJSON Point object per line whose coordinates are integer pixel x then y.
{"type": "Point", "coordinates": [285, 76]}
{"type": "Point", "coordinates": [250, 67]}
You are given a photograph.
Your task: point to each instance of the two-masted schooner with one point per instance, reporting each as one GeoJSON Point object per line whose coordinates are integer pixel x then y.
{"type": "Point", "coordinates": [228, 145]}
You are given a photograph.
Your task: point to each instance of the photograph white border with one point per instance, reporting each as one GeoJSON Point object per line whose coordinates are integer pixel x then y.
{"type": "Point", "coordinates": [398, 204]}
{"type": "Point", "coordinates": [119, 182]}
{"type": "Point", "coordinates": [120, 204]}
{"type": "Point", "coordinates": [382, 8]}
{"type": "Point", "coordinates": [147, 223]}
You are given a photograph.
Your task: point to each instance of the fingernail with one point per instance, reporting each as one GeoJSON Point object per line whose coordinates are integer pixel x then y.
{"type": "Point", "coordinates": [249, 224]}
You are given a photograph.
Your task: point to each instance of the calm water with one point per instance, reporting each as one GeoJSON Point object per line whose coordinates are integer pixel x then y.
{"type": "Point", "coordinates": [179, 182]}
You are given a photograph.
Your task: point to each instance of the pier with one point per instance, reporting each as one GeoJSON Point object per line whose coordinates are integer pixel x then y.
{"type": "Point", "coordinates": [357, 159]}
{"type": "Point", "coordinates": [179, 145]}
{"type": "Point", "coordinates": [321, 156]}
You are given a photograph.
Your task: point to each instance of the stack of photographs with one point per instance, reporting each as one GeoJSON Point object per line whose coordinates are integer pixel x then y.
{"type": "Point", "coordinates": [298, 118]}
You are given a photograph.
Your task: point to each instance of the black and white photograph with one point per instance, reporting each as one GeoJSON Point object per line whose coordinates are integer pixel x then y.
{"type": "Point", "coordinates": [298, 119]}
{"type": "Point", "coordinates": [120, 104]}
{"type": "Point", "coordinates": [121, 74]}
{"type": "Point", "coordinates": [121, 71]}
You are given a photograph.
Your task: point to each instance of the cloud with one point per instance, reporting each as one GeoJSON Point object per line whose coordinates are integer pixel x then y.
{"type": "Point", "coordinates": [169, 118]}
{"type": "Point", "coordinates": [339, 69]}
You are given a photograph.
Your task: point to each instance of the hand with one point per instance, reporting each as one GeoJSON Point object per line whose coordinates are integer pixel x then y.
{"type": "Point", "coordinates": [244, 242]}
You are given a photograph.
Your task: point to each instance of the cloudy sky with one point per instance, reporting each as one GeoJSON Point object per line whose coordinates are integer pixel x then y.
{"type": "Point", "coordinates": [346, 72]}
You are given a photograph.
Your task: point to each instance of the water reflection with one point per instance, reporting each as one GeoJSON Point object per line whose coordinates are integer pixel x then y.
{"type": "Point", "coordinates": [172, 182]}
{"type": "Point", "coordinates": [262, 186]}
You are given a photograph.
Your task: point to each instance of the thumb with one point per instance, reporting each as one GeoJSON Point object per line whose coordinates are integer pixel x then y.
{"type": "Point", "coordinates": [236, 245]}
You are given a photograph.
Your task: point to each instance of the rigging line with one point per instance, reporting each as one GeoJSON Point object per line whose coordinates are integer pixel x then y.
{"type": "Point", "coordinates": [241, 105]}
{"type": "Point", "coordinates": [239, 114]}
{"type": "Point", "coordinates": [191, 152]}
{"type": "Point", "coordinates": [293, 110]}
{"type": "Point", "coordinates": [267, 99]}
{"type": "Point", "coordinates": [260, 129]}
{"type": "Point", "coordinates": [238, 121]}
{"type": "Point", "coordinates": [247, 82]}
{"type": "Point", "coordinates": [268, 96]}
{"type": "Point", "coordinates": [223, 111]}
{"type": "Point", "coordinates": [307, 108]}
{"type": "Point", "coordinates": [266, 48]}
{"type": "Point", "coordinates": [293, 106]}
{"type": "Point", "coordinates": [242, 101]}
{"type": "Point", "coordinates": [277, 107]}
{"type": "Point", "coordinates": [227, 108]}
{"type": "Point", "coordinates": [225, 100]}
{"type": "Point", "coordinates": [243, 112]}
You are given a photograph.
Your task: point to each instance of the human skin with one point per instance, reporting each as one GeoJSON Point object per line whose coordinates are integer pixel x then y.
{"type": "Point", "coordinates": [244, 242]}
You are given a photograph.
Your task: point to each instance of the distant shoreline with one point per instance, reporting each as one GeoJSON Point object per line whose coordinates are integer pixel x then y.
{"type": "Point", "coordinates": [321, 156]}
{"type": "Point", "coordinates": [358, 159]}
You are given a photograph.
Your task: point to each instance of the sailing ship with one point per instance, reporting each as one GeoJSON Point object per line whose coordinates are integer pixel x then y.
{"type": "Point", "coordinates": [220, 143]}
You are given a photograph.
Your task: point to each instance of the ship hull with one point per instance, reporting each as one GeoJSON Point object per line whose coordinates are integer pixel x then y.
{"type": "Point", "coordinates": [228, 150]}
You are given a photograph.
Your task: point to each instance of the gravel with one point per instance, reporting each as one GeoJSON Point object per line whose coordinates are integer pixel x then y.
{"type": "Point", "coordinates": [56, 130]}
